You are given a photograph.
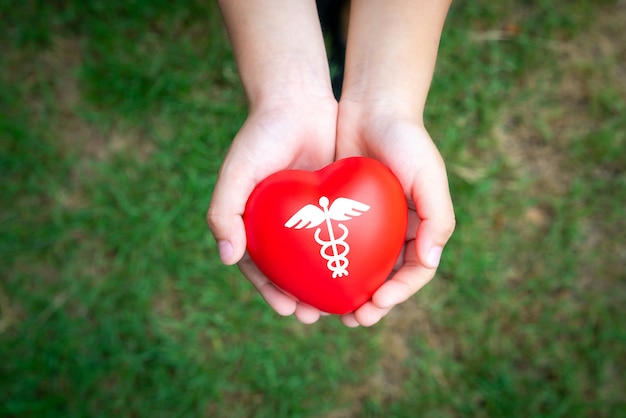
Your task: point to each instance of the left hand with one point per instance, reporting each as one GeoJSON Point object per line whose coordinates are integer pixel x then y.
{"type": "Point", "coordinates": [402, 144]}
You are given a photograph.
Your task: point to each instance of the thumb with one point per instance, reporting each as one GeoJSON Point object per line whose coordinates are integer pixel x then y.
{"type": "Point", "coordinates": [431, 195]}
{"type": "Point", "coordinates": [225, 215]}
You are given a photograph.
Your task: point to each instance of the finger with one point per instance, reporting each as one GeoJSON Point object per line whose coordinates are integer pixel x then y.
{"type": "Point", "coordinates": [413, 222]}
{"type": "Point", "coordinates": [410, 278]}
{"type": "Point", "coordinates": [369, 314]}
{"type": "Point", "coordinates": [404, 284]}
{"type": "Point", "coordinates": [282, 303]}
{"type": "Point", "coordinates": [349, 320]}
{"type": "Point", "coordinates": [399, 262]}
{"type": "Point", "coordinates": [306, 313]}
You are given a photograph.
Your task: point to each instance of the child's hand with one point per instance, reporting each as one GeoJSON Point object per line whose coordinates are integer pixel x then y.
{"type": "Point", "coordinates": [282, 64]}
{"type": "Point", "coordinates": [389, 68]}
{"type": "Point", "coordinates": [279, 134]}
{"type": "Point", "coordinates": [406, 148]}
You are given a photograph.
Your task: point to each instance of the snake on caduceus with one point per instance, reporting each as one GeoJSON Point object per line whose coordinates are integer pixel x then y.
{"type": "Point", "coordinates": [342, 209]}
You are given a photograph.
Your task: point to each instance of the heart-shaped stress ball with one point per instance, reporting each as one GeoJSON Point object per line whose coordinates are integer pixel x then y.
{"type": "Point", "coordinates": [331, 237]}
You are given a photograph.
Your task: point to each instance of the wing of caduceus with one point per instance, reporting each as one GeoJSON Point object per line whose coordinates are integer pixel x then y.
{"type": "Point", "coordinates": [344, 209]}
{"type": "Point", "coordinates": [309, 216]}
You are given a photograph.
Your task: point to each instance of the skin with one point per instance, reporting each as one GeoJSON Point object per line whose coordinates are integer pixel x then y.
{"type": "Point", "coordinates": [295, 123]}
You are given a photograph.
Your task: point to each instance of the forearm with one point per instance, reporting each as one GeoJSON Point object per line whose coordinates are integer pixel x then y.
{"type": "Point", "coordinates": [392, 50]}
{"type": "Point", "coordinates": [279, 48]}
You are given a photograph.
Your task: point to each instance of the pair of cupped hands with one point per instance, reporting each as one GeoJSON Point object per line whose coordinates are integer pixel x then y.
{"type": "Point", "coordinates": [310, 132]}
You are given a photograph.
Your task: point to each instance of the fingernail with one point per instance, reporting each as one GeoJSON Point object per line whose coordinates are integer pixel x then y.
{"type": "Point", "coordinates": [434, 256]}
{"type": "Point", "coordinates": [226, 250]}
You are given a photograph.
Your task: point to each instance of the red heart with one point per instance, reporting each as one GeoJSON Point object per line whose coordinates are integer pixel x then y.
{"type": "Point", "coordinates": [331, 237]}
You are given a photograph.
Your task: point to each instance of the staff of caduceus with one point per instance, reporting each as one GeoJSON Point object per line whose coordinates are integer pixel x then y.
{"type": "Point", "coordinates": [342, 209]}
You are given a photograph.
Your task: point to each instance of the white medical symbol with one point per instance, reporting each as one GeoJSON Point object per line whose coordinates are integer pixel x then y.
{"type": "Point", "coordinates": [342, 209]}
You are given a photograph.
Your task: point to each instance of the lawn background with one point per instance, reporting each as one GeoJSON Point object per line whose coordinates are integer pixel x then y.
{"type": "Point", "coordinates": [114, 118]}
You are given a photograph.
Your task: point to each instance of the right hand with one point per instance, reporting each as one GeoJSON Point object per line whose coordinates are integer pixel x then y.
{"type": "Point", "coordinates": [279, 133]}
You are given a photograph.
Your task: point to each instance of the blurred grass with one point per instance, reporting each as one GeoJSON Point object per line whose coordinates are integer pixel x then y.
{"type": "Point", "coordinates": [114, 117]}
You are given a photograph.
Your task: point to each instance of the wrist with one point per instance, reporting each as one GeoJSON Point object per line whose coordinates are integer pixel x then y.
{"type": "Point", "coordinates": [369, 108]}
{"type": "Point", "coordinates": [391, 63]}
{"type": "Point", "coordinates": [287, 79]}
{"type": "Point", "coordinates": [278, 47]}
{"type": "Point", "coordinates": [387, 92]}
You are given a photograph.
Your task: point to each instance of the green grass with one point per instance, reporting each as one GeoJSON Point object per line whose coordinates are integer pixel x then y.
{"type": "Point", "coordinates": [114, 118]}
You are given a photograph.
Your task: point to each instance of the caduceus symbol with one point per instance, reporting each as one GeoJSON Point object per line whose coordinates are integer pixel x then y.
{"type": "Point", "coordinates": [342, 209]}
